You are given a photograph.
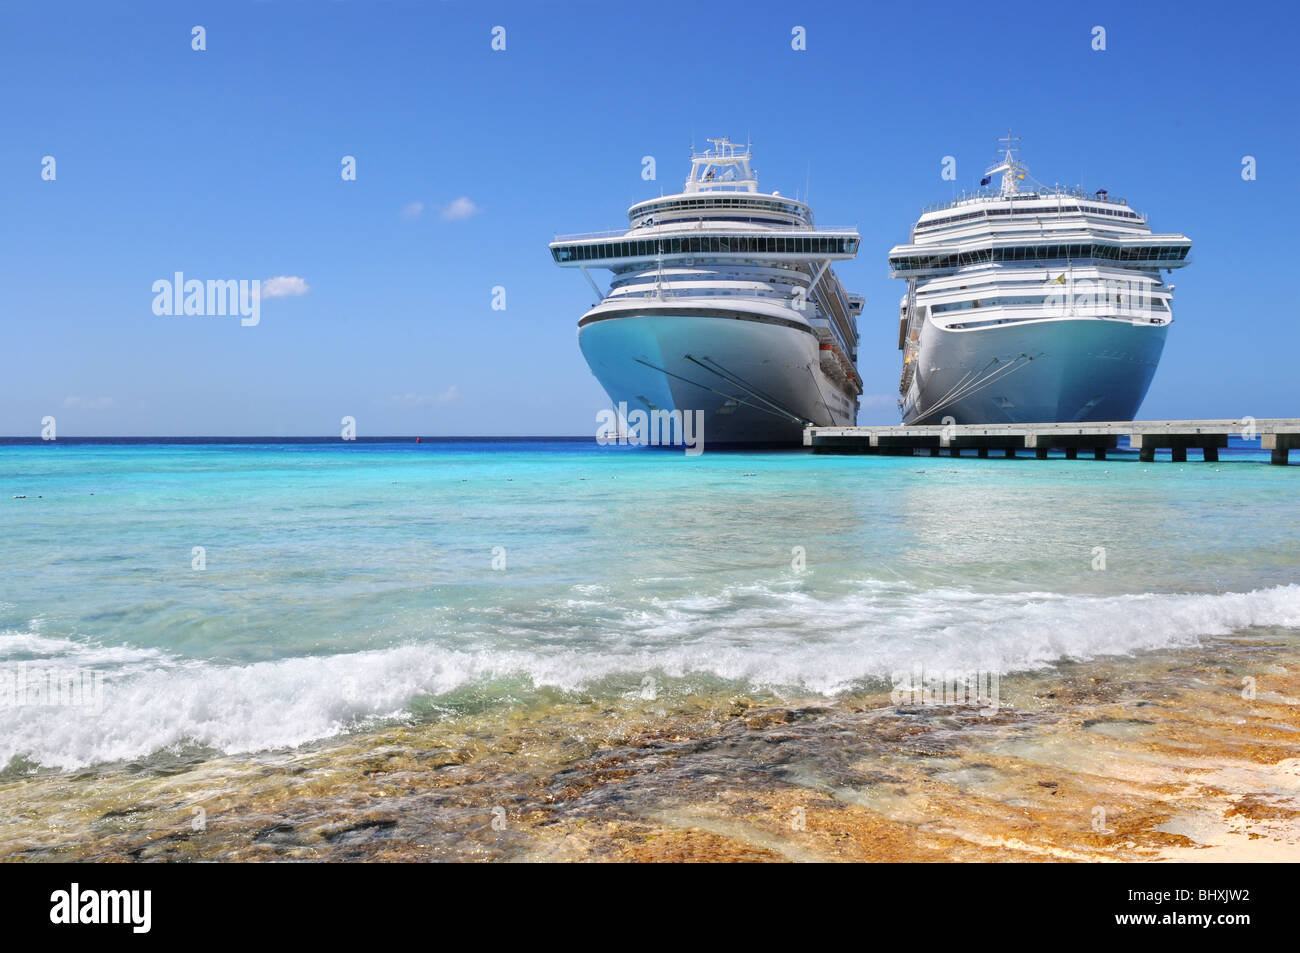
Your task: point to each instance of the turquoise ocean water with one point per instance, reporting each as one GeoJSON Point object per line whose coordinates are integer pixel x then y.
{"type": "Point", "coordinates": [344, 584]}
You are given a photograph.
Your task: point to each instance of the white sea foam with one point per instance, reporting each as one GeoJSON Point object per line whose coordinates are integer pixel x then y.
{"type": "Point", "coordinates": [777, 637]}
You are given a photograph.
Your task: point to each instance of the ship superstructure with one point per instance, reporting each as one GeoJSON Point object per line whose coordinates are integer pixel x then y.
{"type": "Point", "coordinates": [723, 299]}
{"type": "Point", "coordinates": [1031, 304]}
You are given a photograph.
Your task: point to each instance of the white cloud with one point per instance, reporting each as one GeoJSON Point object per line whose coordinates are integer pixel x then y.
{"type": "Point", "coordinates": [449, 396]}
{"type": "Point", "coordinates": [459, 209]}
{"type": "Point", "coordinates": [88, 403]}
{"type": "Point", "coordinates": [284, 286]}
{"type": "Point", "coordinates": [413, 211]}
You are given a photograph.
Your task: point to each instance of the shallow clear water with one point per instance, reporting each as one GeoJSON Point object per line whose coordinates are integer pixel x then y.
{"type": "Point", "coordinates": [346, 583]}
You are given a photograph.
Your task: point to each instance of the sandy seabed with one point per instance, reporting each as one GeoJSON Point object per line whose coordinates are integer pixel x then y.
{"type": "Point", "coordinates": [1178, 755]}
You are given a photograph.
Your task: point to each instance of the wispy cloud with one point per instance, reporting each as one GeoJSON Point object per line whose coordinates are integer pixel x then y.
{"type": "Point", "coordinates": [88, 403]}
{"type": "Point", "coordinates": [284, 286]}
{"type": "Point", "coordinates": [459, 209]}
{"type": "Point", "coordinates": [413, 211]}
{"type": "Point", "coordinates": [878, 400]}
{"type": "Point", "coordinates": [449, 396]}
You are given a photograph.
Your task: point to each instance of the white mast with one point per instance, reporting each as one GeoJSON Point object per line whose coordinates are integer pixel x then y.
{"type": "Point", "coordinates": [1010, 167]}
{"type": "Point", "coordinates": [723, 168]}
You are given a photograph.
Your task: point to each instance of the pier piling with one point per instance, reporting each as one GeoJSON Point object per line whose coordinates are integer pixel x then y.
{"type": "Point", "coordinates": [1280, 443]}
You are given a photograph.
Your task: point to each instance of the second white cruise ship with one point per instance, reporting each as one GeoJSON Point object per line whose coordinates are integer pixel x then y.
{"type": "Point", "coordinates": [1031, 305]}
{"type": "Point", "coordinates": [723, 301]}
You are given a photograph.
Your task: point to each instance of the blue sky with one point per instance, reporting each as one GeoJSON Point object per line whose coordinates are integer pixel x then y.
{"type": "Point", "coordinates": [226, 164]}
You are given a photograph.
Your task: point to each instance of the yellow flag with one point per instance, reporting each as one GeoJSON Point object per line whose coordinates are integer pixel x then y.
{"type": "Point", "coordinates": [1060, 280]}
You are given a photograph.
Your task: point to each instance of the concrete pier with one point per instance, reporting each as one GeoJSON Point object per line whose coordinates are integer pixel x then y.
{"type": "Point", "coordinates": [1280, 442]}
{"type": "Point", "coordinates": [1278, 435]}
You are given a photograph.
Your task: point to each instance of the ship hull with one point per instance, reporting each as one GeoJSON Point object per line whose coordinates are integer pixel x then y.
{"type": "Point", "coordinates": [754, 375]}
{"type": "Point", "coordinates": [1081, 370]}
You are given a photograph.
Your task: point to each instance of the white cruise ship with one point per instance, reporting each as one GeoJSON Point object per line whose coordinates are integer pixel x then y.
{"type": "Point", "coordinates": [1031, 304]}
{"type": "Point", "coordinates": [723, 301]}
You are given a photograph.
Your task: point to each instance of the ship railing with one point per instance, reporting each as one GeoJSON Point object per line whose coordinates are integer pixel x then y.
{"type": "Point", "coordinates": [1064, 191]}
{"type": "Point", "coordinates": [702, 226]}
